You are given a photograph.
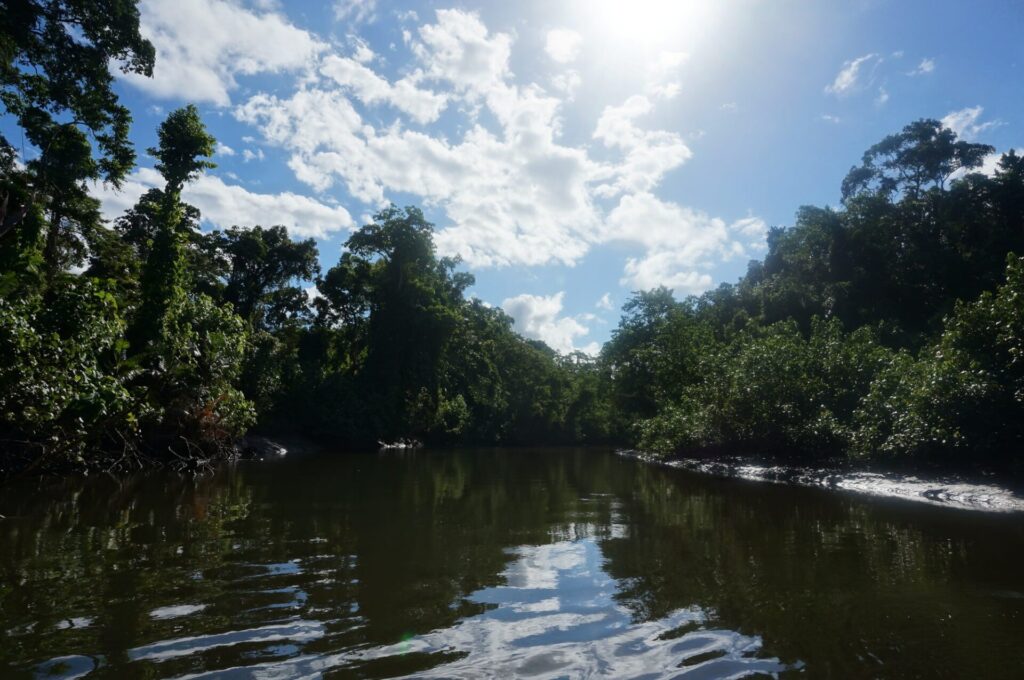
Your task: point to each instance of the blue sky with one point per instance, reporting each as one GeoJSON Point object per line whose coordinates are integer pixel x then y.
{"type": "Point", "coordinates": [571, 152]}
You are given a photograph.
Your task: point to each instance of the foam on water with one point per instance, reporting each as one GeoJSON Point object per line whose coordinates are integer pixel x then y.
{"type": "Point", "coordinates": [950, 493]}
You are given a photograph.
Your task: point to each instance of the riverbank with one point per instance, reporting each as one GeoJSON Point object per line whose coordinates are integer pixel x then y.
{"type": "Point", "coordinates": [950, 491]}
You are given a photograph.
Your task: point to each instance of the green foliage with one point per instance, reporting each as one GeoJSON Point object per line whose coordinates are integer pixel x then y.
{"type": "Point", "coordinates": [62, 394]}
{"type": "Point", "coordinates": [202, 357]}
{"type": "Point", "coordinates": [55, 58]}
{"type": "Point", "coordinates": [771, 389]}
{"type": "Point", "coordinates": [923, 154]}
{"type": "Point", "coordinates": [183, 143]}
{"type": "Point", "coordinates": [857, 334]}
{"type": "Point", "coordinates": [262, 264]}
{"type": "Point", "coordinates": [400, 352]}
{"type": "Point", "coordinates": [964, 395]}
{"type": "Point", "coordinates": [854, 335]}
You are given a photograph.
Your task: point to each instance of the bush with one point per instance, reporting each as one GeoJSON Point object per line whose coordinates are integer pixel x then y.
{"type": "Point", "coordinates": [771, 390]}
{"type": "Point", "coordinates": [962, 395]}
{"type": "Point", "coordinates": [202, 356]}
{"type": "Point", "coordinates": [61, 397]}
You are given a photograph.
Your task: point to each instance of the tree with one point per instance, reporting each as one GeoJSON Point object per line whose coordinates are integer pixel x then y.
{"type": "Point", "coordinates": [184, 143]}
{"type": "Point", "coordinates": [64, 167]}
{"type": "Point", "coordinates": [262, 265]}
{"type": "Point", "coordinates": [924, 154]}
{"type": "Point", "coordinates": [55, 81]}
{"type": "Point", "coordinates": [410, 299]}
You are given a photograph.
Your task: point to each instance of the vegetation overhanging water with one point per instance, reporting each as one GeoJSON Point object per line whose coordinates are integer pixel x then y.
{"type": "Point", "coordinates": [889, 328]}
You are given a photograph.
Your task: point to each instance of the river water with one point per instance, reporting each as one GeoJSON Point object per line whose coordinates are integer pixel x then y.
{"type": "Point", "coordinates": [498, 563]}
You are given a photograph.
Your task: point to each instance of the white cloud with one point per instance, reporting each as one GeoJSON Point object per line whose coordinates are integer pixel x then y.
{"type": "Point", "coordinates": [567, 82]}
{"type": "Point", "coordinates": [831, 119]}
{"type": "Point", "coordinates": [648, 154]}
{"type": "Point", "coordinates": [731, 107]}
{"type": "Point", "coordinates": [423, 106]}
{"type": "Point", "coordinates": [355, 11]}
{"type": "Point", "coordinates": [662, 74]}
{"type": "Point", "coordinates": [459, 49]}
{"type": "Point", "coordinates": [681, 244]}
{"type": "Point", "coordinates": [511, 191]}
{"type": "Point", "coordinates": [665, 269]}
{"type": "Point", "coordinates": [965, 122]}
{"type": "Point", "coordinates": [563, 45]}
{"type": "Point", "coordinates": [516, 196]}
{"type": "Point", "coordinates": [250, 155]}
{"type": "Point", "coordinates": [224, 150]}
{"type": "Point", "coordinates": [924, 68]}
{"type": "Point", "coordinates": [203, 45]}
{"type": "Point", "coordinates": [850, 75]}
{"type": "Point", "coordinates": [882, 98]}
{"type": "Point", "coordinates": [537, 317]}
{"type": "Point", "coordinates": [361, 52]}
{"type": "Point", "coordinates": [989, 164]}
{"type": "Point", "coordinates": [224, 205]}
{"type": "Point", "coordinates": [605, 302]}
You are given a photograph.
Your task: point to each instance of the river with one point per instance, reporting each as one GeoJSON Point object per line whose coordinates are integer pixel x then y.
{"type": "Point", "coordinates": [540, 563]}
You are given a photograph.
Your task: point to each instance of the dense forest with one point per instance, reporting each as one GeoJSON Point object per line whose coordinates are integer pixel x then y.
{"type": "Point", "coordinates": [890, 327]}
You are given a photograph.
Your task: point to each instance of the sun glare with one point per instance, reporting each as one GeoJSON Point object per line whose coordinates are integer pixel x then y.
{"type": "Point", "coordinates": [653, 23]}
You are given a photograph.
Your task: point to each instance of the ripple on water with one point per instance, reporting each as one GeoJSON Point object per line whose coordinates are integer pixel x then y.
{"type": "Point", "coordinates": [176, 611]}
{"type": "Point", "coordinates": [555, 616]}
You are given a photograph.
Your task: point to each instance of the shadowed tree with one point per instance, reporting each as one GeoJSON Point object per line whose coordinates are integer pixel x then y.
{"type": "Point", "coordinates": [263, 263]}
{"type": "Point", "coordinates": [923, 155]}
{"type": "Point", "coordinates": [55, 80]}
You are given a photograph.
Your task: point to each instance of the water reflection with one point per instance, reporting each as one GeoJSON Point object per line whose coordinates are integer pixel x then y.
{"type": "Point", "coordinates": [496, 564]}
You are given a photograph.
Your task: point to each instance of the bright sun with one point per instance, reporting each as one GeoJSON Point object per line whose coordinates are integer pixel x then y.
{"type": "Point", "coordinates": [654, 23]}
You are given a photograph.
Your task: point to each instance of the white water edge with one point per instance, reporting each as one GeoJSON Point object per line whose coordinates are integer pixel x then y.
{"type": "Point", "coordinates": [947, 493]}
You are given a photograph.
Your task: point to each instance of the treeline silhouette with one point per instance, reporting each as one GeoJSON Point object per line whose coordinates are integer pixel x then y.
{"type": "Point", "coordinates": [890, 327]}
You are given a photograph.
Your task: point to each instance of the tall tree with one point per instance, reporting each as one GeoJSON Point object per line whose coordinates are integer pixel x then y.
{"type": "Point", "coordinates": [184, 144]}
{"type": "Point", "coordinates": [925, 154]}
{"type": "Point", "coordinates": [55, 81]}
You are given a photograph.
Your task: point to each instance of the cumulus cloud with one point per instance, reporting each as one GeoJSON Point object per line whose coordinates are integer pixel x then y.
{"type": "Point", "coordinates": [515, 196]}
{"type": "Point", "coordinates": [567, 82]}
{"type": "Point", "coordinates": [361, 52]}
{"type": "Point", "coordinates": [967, 122]}
{"type": "Point", "coordinates": [224, 205]}
{"type": "Point", "coordinates": [423, 106]}
{"type": "Point", "coordinates": [538, 317]}
{"type": "Point", "coordinates": [649, 154]}
{"type": "Point", "coordinates": [681, 243]}
{"type": "Point", "coordinates": [459, 50]}
{"type": "Point", "coordinates": [563, 45]}
{"type": "Point", "coordinates": [852, 76]}
{"type": "Point", "coordinates": [224, 150]}
{"type": "Point", "coordinates": [202, 46]}
{"type": "Point", "coordinates": [511, 190]}
{"type": "Point", "coordinates": [605, 302]}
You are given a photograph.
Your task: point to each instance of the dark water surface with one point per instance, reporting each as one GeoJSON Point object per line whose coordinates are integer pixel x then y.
{"type": "Point", "coordinates": [469, 564]}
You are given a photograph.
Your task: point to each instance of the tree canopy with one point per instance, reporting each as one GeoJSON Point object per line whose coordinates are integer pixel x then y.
{"type": "Point", "coordinates": [888, 327]}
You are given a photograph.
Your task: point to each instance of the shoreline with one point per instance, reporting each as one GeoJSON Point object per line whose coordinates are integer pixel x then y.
{"type": "Point", "coordinates": [948, 491]}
